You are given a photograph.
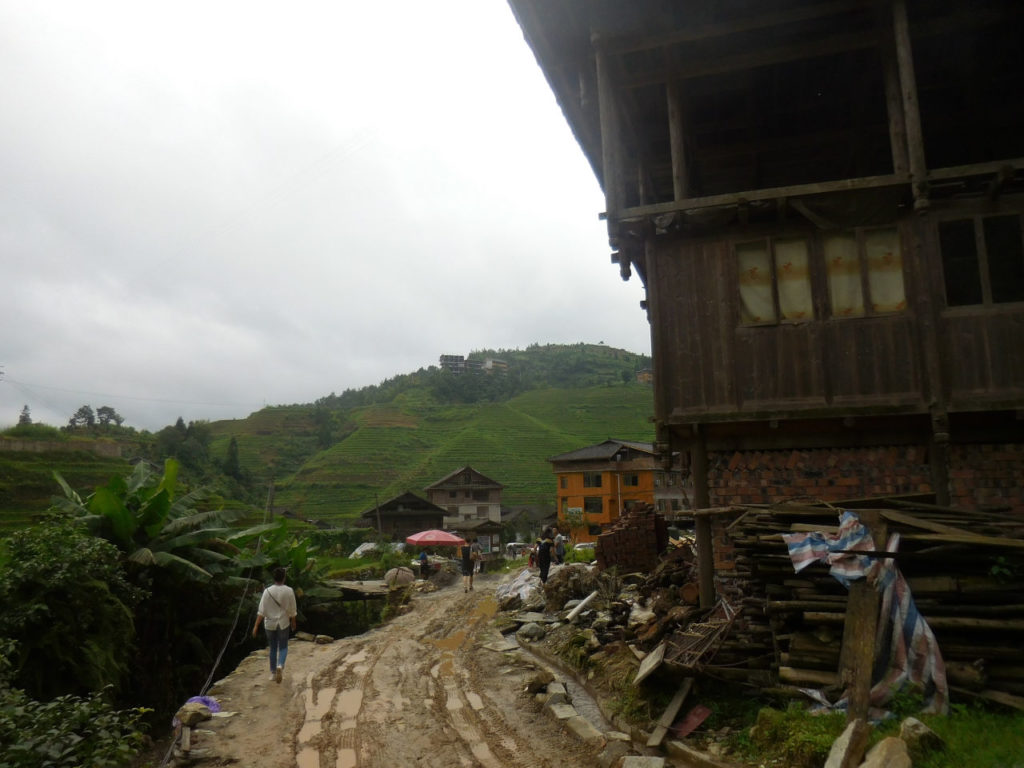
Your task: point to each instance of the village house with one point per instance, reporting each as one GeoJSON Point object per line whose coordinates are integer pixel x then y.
{"type": "Point", "coordinates": [403, 516]}
{"type": "Point", "coordinates": [824, 203]}
{"type": "Point", "coordinates": [600, 482]}
{"type": "Point", "coordinates": [466, 495]}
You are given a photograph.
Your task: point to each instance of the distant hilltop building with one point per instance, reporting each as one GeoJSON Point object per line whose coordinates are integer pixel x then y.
{"type": "Point", "coordinates": [459, 364]}
{"type": "Point", "coordinates": [453, 363]}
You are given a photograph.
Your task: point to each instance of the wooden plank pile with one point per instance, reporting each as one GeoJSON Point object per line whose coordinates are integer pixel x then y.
{"type": "Point", "coordinates": [965, 569]}
{"type": "Point", "coordinates": [634, 541]}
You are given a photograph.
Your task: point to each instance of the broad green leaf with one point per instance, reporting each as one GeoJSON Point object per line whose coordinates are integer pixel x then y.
{"type": "Point", "coordinates": [153, 513]}
{"type": "Point", "coordinates": [190, 569]}
{"type": "Point", "coordinates": [122, 523]}
{"type": "Point", "coordinates": [69, 492]}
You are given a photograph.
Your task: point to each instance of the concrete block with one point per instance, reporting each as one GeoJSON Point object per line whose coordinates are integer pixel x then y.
{"type": "Point", "coordinates": [563, 711]}
{"type": "Point", "coordinates": [584, 729]}
{"type": "Point", "coordinates": [890, 752]}
{"type": "Point", "coordinates": [848, 749]}
{"type": "Point", "coordinates": [556, 698]}
{"type": "Point", "coordinates": [634, 761]}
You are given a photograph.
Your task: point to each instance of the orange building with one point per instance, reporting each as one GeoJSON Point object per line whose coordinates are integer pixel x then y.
{"type": "Point", "coordinates": [597, 483]}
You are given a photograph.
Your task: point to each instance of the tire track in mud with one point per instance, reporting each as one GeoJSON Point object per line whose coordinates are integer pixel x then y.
{"type": "Point", "coordinates": [478, 723]}
{"type": "Point", "coordinates": [413, 693]}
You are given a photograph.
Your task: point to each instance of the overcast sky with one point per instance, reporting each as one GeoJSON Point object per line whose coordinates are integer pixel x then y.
{"type": "Point", "coordinates": [210, 207]}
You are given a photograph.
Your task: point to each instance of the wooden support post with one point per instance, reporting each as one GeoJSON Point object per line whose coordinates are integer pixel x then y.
{"type": "Point", "coordinates": [611, 142]}
{"type": "Point", "coordinates": [938, 458]}
{"type": "Point", "coordinates": [893, 99]}
{"type": "Point", "coordinates": [702, 500]}
{"type": "Point", "coordinates": [677, 141]}
{"type": "Point", "coordinates": [911, 109]}
{"type": "Point", "coordinates": [857, 658]}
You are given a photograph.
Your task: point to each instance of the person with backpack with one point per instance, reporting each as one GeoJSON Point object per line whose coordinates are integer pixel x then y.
{"type": "Point", "coordinates": [277, 612]}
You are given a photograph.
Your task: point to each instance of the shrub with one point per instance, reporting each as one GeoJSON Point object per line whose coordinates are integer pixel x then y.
{"type": "Point", "coordinates": [800, 738]}
{"type": "Point", "coordinates": [66, 732]}
{"type": "Point", "coordinates": [68, 606]}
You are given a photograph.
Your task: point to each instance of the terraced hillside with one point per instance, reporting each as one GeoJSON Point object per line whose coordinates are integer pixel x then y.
{"type": "Point", "coordinates": [412, 441]}
{"type": "Point", "coordinates": [27, 483]}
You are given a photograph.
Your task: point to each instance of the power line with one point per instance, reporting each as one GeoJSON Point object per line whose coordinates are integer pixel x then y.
{"type": "Point", "coordinates": [24, 387]}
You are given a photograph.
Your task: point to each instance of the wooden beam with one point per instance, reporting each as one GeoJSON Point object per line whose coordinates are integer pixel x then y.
{"type": "Point", "coordinates": [677, 141]}
{"type": "Point", "coordinates": [639, 212]}
{"type": "Point", "coordinates": [702, 524]}
{"type": "Point", "coordinates": [857, 659]}
{"type": "Point", "coordinates": [722, 29]}
{"type": "Point", "coordinates": [975, 169]}
{"type": "Point", "coordinates": [669, 715]}
{"type": "Point", "coordinates": [893, 97]}
{"type": "Point", "coordinates": [611, 144]}
{"type": "Point", "coordinates": [821, 46]}
{"type": "Point", "coordinates": [911, 109]}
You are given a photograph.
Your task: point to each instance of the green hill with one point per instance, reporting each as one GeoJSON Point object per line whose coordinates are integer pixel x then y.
{"type": "Point", "coordinates": [333, 459]}
{"type": "Point", "coordinates": [411, 442]}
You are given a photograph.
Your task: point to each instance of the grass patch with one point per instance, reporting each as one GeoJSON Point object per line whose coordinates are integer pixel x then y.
{"type": "Point", "coordinates": [795, 737]}
{"type": "Point", "coordinates": [975, 737]}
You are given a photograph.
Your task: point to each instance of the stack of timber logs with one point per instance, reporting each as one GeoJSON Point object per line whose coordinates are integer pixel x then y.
{"type": "Point", "coordinates": [965, 570]}
{"type": "Point", "coordinates": [634, 542]}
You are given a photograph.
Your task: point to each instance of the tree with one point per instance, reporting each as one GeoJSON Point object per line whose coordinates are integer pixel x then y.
{"type": "Point", "coordinates": [84, 417]}
{"type": "Point", "coordinates": [25, 418]}
{"type": "Point", "coordinates": [232, 467]}
{"type": "Point", "coordinates": [106, 414]}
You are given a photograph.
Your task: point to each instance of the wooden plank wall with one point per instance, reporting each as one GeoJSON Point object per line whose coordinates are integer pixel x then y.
{"type": "Point", "coordinates": [708, 363]}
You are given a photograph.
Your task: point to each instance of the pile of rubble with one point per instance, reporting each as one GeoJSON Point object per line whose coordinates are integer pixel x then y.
{"type": "Point", "coordinates": [774, 628]}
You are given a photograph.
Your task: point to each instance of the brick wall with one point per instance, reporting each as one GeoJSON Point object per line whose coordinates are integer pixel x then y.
{"type": "Point", "coordinates": [986, 476]}
{"type": "Point", "coordinates": [765, 477]}
{"type": "Point", "coordinates": [980, 476]}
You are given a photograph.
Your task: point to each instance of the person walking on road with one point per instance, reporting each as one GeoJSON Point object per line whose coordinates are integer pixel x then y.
{"type": "Point", "coordinates": [470, 555]}
{"type": "Point", "coordinates": [277, 612]}
{"type": "Point", "coordinates": [544, 552]}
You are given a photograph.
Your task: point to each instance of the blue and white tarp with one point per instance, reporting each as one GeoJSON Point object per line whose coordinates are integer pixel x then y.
{"type": "Point", "coordinates": [904, 639]}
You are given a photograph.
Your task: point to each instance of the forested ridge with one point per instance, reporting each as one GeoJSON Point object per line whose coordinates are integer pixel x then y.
{"type": "Point", "coordinates": [333, 458]}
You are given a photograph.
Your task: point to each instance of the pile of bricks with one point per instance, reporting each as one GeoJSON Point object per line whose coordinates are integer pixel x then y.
{"type": "Point", "coordinates": [634, 542]}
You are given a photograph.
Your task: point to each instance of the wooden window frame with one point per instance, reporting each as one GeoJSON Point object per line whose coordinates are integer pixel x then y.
{"type": "Point", "coordinates": [859, 233]}
{"type": "Point", "coordinates": [977, 219]}
{"type": "Point", "coordinates": [770, 241]}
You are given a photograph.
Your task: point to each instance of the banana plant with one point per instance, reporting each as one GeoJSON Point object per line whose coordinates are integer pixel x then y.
{"type": "Point", "coordinates": [141, 517]}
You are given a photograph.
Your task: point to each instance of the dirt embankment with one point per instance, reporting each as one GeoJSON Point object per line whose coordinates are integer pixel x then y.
{"type": "Point", "coordinates": [418, 691]}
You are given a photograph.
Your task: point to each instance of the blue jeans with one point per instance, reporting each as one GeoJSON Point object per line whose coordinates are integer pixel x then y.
{"type": "Point", "coordinates": [278, 639]}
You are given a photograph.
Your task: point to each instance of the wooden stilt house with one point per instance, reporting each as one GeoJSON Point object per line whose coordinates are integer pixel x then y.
{"type": "Point", "coordinates": [823, 199]}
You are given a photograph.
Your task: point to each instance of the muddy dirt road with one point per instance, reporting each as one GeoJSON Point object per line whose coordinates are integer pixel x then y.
{"type": "Point", "coordinates": [420, 691]}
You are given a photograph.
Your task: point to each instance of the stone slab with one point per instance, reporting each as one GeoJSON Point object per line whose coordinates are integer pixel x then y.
{"type": "Point", "coordinates": [563, 711]}
{"type": "Point", "coordinates": [584, 729]}
{"type": "Point", "coordinates": [635, 761]}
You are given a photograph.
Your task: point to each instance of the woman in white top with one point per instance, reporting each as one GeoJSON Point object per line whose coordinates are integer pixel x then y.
{"type": "Point", "coordinates": [277, 612]}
